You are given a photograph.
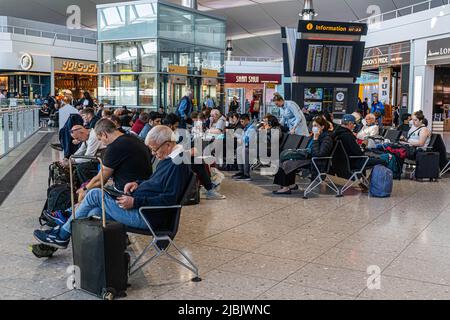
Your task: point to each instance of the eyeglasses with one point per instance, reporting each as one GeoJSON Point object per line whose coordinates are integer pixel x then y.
{"type": "Point", "coordinates": [155, 151]}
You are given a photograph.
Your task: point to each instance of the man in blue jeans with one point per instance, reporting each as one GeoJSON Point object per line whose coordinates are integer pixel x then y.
{"type": "Point", "coordinates": [164, 188]}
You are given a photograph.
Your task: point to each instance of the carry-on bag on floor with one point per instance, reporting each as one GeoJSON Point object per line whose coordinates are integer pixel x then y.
{"type": "Point", "coordinates": [381, 182]}
{"type": "Point", "coordinates": [427, 165]}
{"type": "Point", "coordinates": [99, 253]}
{"type": "Point", "coordinates": [58, 198]}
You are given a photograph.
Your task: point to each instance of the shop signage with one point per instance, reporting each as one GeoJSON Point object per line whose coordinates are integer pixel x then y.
{"type": "Point", "coordinates": [332, 27]}
{"type": "Point", "coordinates": [438, 51]}
{"type": "Point", "coordinates": [174, 69]}
{"type": "Point", "coordinates": [75, 66]}
{"type": "Point", "coordinates": [26, 61]}
{"type": "Point", "coordinates": [252, 78]}
{"type": "Point", "coordinates": [384, 92]}
{"type": "Point", "coordinates": [386, 56]}
{"type": "Point", "coordinates": [128, 77]}
{"type": "Point", "coordinates": [209, 73]}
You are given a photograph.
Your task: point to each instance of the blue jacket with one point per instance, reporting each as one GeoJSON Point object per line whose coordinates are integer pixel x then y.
{"type": "Point", "coordinates": [377, 107]}
{"type": "Point", "coordinates": [185, 107]}
{"type": "Point", "coordinates": [165, 187]}
{"type": "Point", "coordinates": [249, 131]}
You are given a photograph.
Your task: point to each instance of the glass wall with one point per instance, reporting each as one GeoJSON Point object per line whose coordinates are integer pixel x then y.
{"type": "Point", "coordinates": [139, 41]}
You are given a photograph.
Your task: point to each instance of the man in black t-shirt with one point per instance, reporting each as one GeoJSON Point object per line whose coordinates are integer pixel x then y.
{"type": "Point", "coordinates": [126, 159]}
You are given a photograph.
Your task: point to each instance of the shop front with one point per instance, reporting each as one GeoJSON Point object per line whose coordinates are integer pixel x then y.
{"type": "Point", "coordinates": [157, 53]}
{"type": "Point", "coordinates": [75, 75]}
{"type": "Point", "coordinates": [245, 86]}
{"type": "Point", "coordinates": [438, 56]}
{"type": "Point", "coordinates": [385, 75]}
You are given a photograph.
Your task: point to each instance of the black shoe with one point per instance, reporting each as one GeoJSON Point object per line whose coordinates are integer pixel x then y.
{"type": "Point", "coordinates": [244, 178]}
{"type": "Point", "coordinates": [283, 192]}
{"type": "Point", "coordinates": [56, 146]}
{"type": "Point", "coordinates": [237, 175]}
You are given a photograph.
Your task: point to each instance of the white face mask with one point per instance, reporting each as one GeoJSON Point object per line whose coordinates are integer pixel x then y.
{"type": "Point", "coordinates": [315, 130]}
{"type": "Point", "coordinates": [411, 123]}
{"type": "Point", "coordinates": [198, 123]}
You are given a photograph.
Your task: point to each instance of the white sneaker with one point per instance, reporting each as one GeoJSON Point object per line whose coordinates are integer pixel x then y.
{"type": "Point", "coordinates": [214, 195]}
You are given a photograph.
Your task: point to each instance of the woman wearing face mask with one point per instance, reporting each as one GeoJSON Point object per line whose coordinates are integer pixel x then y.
{"type": "Point", "coordinates": [419, 135]}
{"type": "Point", "coordinates": [320, 145]}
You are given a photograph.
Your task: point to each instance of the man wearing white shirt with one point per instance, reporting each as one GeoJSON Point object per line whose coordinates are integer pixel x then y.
{"type": "Point", "coordinates": [89, 148]}
{"type": "Point", "coordinates": [3, 94]}
{"type": "Point", "coordinates": [65, 111]}
{"type": "Point", "coordinates": [370, 129]}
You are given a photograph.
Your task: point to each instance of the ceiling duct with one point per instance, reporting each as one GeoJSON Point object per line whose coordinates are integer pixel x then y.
{"type": "Point", "coordinates": [308, 12]}
{"type": "Point", "coordinates": [190, 4]}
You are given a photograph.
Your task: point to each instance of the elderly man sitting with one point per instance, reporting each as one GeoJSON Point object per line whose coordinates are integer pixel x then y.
{"type": "Point", "coordinates": [370, 129]}
{"type": "Point", "coordinates": [164, 188]}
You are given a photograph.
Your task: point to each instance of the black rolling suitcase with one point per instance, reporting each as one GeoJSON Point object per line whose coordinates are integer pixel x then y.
{"type": "Point", "coordinates": [427, 165]}
{"type": "Point", "coordinates": [99, 253]}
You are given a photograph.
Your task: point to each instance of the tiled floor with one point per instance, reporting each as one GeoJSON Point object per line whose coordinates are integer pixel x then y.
{"type": "Point", "coordinates": [256, 246]}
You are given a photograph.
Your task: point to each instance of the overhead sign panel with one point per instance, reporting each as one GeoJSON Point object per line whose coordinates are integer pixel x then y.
{"type": "Point", "coordinates": [332, 27]}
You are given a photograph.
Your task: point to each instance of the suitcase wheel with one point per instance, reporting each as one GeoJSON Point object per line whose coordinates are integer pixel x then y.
{"type": "Point", "coordinates": [108, 294]}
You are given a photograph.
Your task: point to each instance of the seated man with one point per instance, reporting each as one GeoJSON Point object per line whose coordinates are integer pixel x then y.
{"type": "Point", "coordinates": [126, 159]}
{"type": "Point", "coordinates": [89, 117]}
{"type": "Point", "coordinates": [243, 150]}
{"type": "Point", "coordinates": [164, 188]}
{"type": "Point", "coordinates": [344, 133]}
{"type": "Point", "coordinates": [370, 129]}
{"type": "Point", "coordinates": [90, 145]}
{"type": "Point", "coordinates": [217, 122]}
{"type": "Point", "coordinates": [154, 119]}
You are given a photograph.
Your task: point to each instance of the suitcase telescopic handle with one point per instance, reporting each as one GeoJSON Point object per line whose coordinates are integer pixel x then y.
{"type": "Point", "coordinates": [72, 198]}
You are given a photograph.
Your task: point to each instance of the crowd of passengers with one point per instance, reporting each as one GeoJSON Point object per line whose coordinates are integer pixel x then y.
{"type": "Point", "coordinates": [139, 149]}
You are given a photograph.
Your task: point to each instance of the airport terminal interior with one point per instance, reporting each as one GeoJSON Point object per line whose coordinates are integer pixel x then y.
{"type": "Point", "coordinates": [225, 150]}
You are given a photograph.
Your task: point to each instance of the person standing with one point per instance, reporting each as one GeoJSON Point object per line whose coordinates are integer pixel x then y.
{"type": "Point", "coordinates": [255, 107]}
{"type": "Point", "coordinates": [185, 108]}
{"type": "Point", "coordinates": [291, 116]}
{"type": "Point", "coordinates": [234, 105]}
{"type": "Point", "coordinates": [377, 106]}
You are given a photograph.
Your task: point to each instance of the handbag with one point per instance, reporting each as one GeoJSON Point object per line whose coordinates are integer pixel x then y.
{"type": "Point", "coordinates": [294, 154]}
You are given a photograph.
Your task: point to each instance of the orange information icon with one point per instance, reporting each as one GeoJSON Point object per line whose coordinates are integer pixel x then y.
{"type": "Point", "coordinates": [309, 26]}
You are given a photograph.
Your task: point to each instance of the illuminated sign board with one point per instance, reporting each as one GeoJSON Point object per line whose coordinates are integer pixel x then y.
{"type": "Point", "coordinates": [75, 66]}
{"type": "Point", "coordinates": [332, 27]}
{"type": "Point", "coordinates": [252, 78]}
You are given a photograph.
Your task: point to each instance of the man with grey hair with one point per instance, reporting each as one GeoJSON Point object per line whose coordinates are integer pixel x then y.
{"type": "Point", "coordinates": [370, 129]}
{"type": "Point", "coordinates": [164, 188]}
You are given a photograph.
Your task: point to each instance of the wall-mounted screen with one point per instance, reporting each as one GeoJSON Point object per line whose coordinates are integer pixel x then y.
{"type": "Point", "coordinates": [313, 93]}
{"type": "Point", "coordinates": [328, 58]}
{"type": "Point", "coordinates": [313, 106]}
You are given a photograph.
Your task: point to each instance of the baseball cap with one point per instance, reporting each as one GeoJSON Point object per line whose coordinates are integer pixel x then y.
{"type": "Point", "coordinates": [348, 118]}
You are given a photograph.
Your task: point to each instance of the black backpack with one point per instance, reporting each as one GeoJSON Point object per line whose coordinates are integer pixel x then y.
{"type": "Point", "coordinates": [58, 198]}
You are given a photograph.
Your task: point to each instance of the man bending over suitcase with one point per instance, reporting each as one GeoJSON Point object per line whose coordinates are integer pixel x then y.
{"type": "Point", "coordinates": [164, 188]}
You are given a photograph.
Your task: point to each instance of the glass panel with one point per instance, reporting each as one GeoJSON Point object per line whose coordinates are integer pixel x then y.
{"type": "Point", "coordinates": [127, 22]}
{"type": "Point", "coordinates": [129, 56]}
{"type": "Point", "coordinates": [176, 53]}
{"type": "Point", "coordinates": [148, 90]}
{"type": "Point", "coordinates": [149, 56]}
{"type": "Point", "coordinates": [118, 90]}
{"type": "Point", "coordinates": [210, 31]}
{"type": "Point", "coordinates": [125, 57]}
{"type": "Point", "coordinates": [176, 24]}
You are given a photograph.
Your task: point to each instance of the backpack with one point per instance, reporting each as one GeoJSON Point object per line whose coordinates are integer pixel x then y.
{"type": "Point", "coordinates": [393, 164]}
{"type": "Point", "coordinates": [381, 182]}
{"type": "Point", "coordinates": [57, 174]}
{"type": "Point", "coordinates": [58, 198]}
{"type": "Point", "coordinates": [256, 106]}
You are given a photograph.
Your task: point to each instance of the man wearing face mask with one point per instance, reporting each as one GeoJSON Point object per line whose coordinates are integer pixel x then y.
{"type": "Point", "coordinates": [163, 188]}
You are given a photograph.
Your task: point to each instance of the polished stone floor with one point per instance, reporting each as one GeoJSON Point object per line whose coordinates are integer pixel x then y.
{"type": "Point", "coordinates": [255, 246]}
